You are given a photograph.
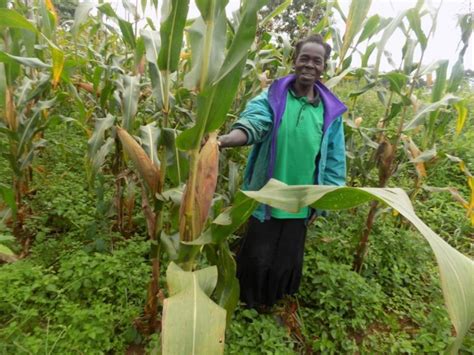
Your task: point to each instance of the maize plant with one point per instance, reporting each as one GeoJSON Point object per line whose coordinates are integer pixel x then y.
{"type": "Point", "coordinates": [28, 82]}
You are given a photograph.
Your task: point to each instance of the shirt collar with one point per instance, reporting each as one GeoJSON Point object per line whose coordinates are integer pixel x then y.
{"type": "Point", "coordinates": [315, 102]}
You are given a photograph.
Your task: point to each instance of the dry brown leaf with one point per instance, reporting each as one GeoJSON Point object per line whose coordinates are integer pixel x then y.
{"type": "Point", "coordinates": [413, 152]}
{"type": "Point", "coordinates": [148, 171]}
{"type": "Point", "coordinates": [193, 217]}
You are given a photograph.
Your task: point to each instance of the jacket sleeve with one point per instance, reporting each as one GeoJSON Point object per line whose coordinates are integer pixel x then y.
{"type": "Point", "coordinates": [335, 172]}
{"type": "Point", "coordinates": [256, 120]}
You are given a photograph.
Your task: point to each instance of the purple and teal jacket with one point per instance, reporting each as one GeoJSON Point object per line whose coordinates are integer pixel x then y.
{"type": "Point", "coordinates": [261, 120]}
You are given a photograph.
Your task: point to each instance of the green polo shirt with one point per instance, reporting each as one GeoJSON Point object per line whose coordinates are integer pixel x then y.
{"type": "Point", "coordinates": [298, 143]}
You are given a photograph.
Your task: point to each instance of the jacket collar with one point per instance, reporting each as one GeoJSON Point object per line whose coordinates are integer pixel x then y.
{"type": "Point", "coordinates": [333, 107]}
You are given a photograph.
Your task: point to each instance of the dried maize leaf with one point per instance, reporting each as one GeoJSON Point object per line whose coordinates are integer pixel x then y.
{"type": "Point", "coordinates": [148, 171]}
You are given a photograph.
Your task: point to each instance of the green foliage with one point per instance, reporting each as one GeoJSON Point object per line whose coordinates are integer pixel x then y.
{"type": "Point", "coordinates": [85, 303]}
{"type": "Point", "coordinates": [253, 333]}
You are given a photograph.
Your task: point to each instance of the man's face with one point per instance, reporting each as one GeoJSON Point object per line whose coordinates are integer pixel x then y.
{"type": "Point", "coordinates": [309, 65]}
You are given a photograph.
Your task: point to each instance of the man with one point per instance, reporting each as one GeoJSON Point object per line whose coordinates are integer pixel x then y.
{"type": "Point", "coordinates": [297, 132]}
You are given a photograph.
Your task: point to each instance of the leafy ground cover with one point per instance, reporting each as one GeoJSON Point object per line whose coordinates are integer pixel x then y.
{"type": "Point", "coordinates": [84, 284]}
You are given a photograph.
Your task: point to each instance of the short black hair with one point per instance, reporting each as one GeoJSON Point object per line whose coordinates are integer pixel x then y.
{"type": "Point", "coordinates": [314, 38]}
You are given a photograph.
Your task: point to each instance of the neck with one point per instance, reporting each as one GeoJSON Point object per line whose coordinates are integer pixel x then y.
{"type": "Point", "coordinates": [304, 90]}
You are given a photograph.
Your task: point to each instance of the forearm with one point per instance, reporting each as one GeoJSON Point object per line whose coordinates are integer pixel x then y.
{"type": "Point", "coordinates": [234, 138]}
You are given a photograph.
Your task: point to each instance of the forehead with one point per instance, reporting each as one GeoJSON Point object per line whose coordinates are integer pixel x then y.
{"type": "Point", "coordinates": [313, 50]}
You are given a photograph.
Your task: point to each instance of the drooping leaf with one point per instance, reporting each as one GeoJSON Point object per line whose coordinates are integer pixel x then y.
{"type": "Point", "coordinates": [192, 322]}
{"type": "Point", "coordinates": [148, 171]}
{"type": "Point", "coordinates": [98, 159]}
{"type": "Point", "coordinates": [97, 139]}
{"type": "Point", "coordinates": [276, 12]}
{"type": "Point", "coordinates": [414, 19]}
{"type": "Point", "coordinates": [28, 61]}
{"type": "Point", "coordinates": [455, 269]}
{"type": "Point", "coordinates": [461, 108]}
{"type": "Point", "coordinates": [420, 116]}
{"type": "Point", "coordinates": [228, 221]}
{"type": "Point", "coordinates": [11, 18]}
{"type": "Point", "coordinates": [336, 79]}
{"type": "Point", "coordinates": [371, 27]}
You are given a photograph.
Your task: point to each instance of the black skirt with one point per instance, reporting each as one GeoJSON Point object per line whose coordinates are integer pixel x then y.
{"type": "Point", "coordinates": [270, 261]}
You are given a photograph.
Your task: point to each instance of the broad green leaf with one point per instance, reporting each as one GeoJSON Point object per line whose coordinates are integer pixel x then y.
{"type": "Point", "coordinates": [371, 27]}
{"type": "Point", "coordinates": [81, 15]}
{"type": "Point", "coordinates": [420, 116]}
{"type": "Point", "coordinates": [174, 14]}
{"type": "Point", "coordinates": [461, 108]}
{"type": "Point", "coordinates": [152, 45]}
{"type": "Point", "coordinates": [149, 138]}
{"type": "Point", "coordinates": [28, 61]}
{"type": "Point", "coordinates": [210, 8]}
{"type": "Point", "coordinates": [209, 61]}
{"type": "Point", "coordinates": [127, 32]}
{"type": "Point", "coordinates": [228, 221]}
{"type": "Point", "coordinates": [177, 162]}
{"type": "Point", "coordinates": [130, 96]}
{"type": "Point", "coordinates": [357, 14]}
{"type": "Point", "coordinates": [192, 322]}
{"type": "Point", "coordinates": [13, 19]}
{"type": "Point", "coordinates": [387, 33]}
{"type": "Point", "coordinates": [456, 270]}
